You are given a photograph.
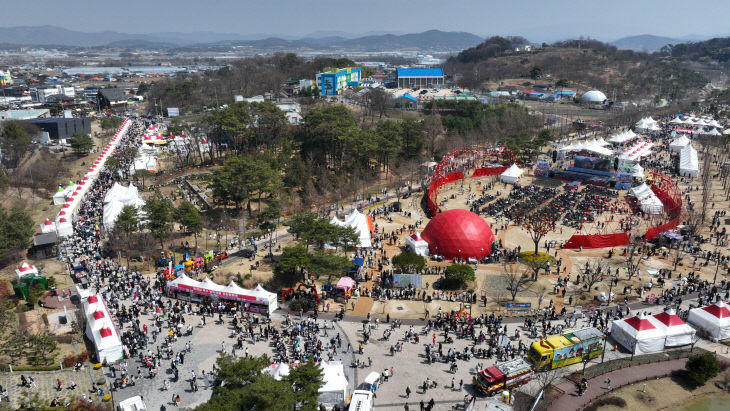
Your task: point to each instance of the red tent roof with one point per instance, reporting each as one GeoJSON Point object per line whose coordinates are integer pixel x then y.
{"type": "Point", "coordinates": [47, 222]}
{"type": "Point", "coordinates": [416, 237]}
{"type": "Point", "coordinates": [640, 324]}
{"type": "Point", "coordinates": [93, 299]}
{"type": "Point", "coordinates": [669, 320]}
{"type": "Point", "coordinates": [105, 332]}
{"type": "Point", "coordinates": [719, 311]}
{"type": "Point", "coordinates": [458, 233]}
{"type": "Point", "coordinates": [98, 314]}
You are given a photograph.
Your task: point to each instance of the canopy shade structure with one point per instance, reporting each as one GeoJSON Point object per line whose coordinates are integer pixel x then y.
{"type": "Point", "coordinates": [416, 244]}
{"type": "Point", "coordinates": [360, 223]}
{"type": "Point", "coordinates": [638, 335]}
{"type": "Point", "coordinates": [689, 165]}
{"type": "Point", "coordinates": [646, 124]}
{"type": "Point", "coordinates": [345, 283]}
{"type": "Point", "coordinates": [650, 203]}
{"type": "Point", "coordinates": [623, 137]}
{"type": "Point", "coordinates": [713, 319]}
{"type": "Point", "coordinates": [101, 330]}
{"type": "Point", "coordinates": [591, 146]}
{"type": "Point", "coordinates": [511, 175]}
{"type": "Point", "coordinates": [334, 387]}
{"type": "Point", "coordinates": [258, 296]}
{"type": "Point", "coordinates": [116, 199]}
{"type": "Point", "coordinates": [48, 226]}
{"type": "Point", "coordinates": [637, 150]}
{"type": "Point", "coordinates": [677, 331]}
{"type": "Point", "coordinates": [677, 145]}
{"type": "Point", "coordinates": [25, 269]}
{"type": "Point", "coordinates": [637, 171]}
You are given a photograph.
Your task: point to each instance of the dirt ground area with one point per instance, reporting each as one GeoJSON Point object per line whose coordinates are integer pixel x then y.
{"type": "Point", "coordinates": [671, 393]}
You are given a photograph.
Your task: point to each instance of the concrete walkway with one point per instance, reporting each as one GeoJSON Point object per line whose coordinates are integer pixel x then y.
{"type": "Point", "coordinates": [619, 378]}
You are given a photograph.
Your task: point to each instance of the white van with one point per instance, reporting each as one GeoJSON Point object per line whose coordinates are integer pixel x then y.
{"type": "Point", "coordinates": [132, 404]}
{"type": "Point", "coordinates": [361, 401]}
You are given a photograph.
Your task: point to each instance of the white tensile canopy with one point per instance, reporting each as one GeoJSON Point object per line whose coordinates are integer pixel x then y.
{"type": "Point", "coordinates": [416, 244]}
{"type": "Point", "coordinates": [25, 269]}
{"type": "Point", "coordinates": [638, 171]}
{"type": "Point", "coordinates": [650, 203]}
{"type": "Point", "coordinates": [713, 319]}
{"type": "Point", "coordinates": [676, 120]}
{"type": "Point", "coordinates": [646, 124]}
{"type": "Point", "coordinates": [359, 222]}
{"type": "Point", "coordinates": [677, 331]}
{"type": "Point", "coordinates": [232, 291]}
{"type": "Point", "coordinates": [116, 199]}
{"type": "Point", "coordinates": [511, 175]}
{"type": "Point", "coordinates": [334, 387]}
{"type": "Point", "coordinates": [678, 144]}
{"type": "Point", "coordinates": [714, 132]}
{"type": "Point", "coordinates": [101, 330]}
{"type": "Point", "coordinates": [638, 335]}
{"type": "Point", "coordinates": [689, 165]}
{"type": "Point", "coordinates": [623, 137]}
{"type": "Point", "coordinates": [262, 295]}
{"type": "Point", "coordinates": [593, 146]}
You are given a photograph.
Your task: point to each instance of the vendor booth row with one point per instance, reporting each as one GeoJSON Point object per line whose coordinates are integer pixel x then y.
{"type": "Point", "coordinates": [257, 300]}
{"type": "Point", "coordinates": [101, 330]}
{"type": "Point", "coordinates": [646, 334]}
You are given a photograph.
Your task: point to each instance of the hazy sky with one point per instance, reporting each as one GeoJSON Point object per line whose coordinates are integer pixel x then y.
{"type": "Point", "coordinates": [538, 20]}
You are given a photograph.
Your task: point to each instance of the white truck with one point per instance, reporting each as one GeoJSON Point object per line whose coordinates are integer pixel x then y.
{"type": "Point", "coordinates": [132, 404]}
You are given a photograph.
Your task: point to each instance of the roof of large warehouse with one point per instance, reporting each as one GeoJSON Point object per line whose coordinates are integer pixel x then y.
{"type": "Point", "coordinates": [420, 72]}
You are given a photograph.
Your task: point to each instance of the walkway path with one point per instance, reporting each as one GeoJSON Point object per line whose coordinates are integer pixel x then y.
{"type": "Point", "coordinates": [619, 378]}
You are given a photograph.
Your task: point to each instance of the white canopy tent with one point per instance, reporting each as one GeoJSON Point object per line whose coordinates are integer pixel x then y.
{"type": "Point", "coordinates": [334, 387]}
{"type": "Point", "coordinates": [511, 175]}
{"type": "Point", "coordinates": [677, 331]}
{"type": "Point", "coordinates": [256, 300]}
{"type": "Point", "coordinates": [713, 319]}
{"type": "Point", "coordinates": [637, 171]}
{"type": "Point", "coordinates": [676, 120]}
{"type": "Point", "coordinates": [360, 223]}
{"type": "Point", "coordinates": [678, 144]}
{"type": "Point", "coordinates": [25, 269]}
{"type": "Point", "coordinates": [689, 165]}
{"type": "Point", "coordinates": [416, 244]}
{"type": "Point", "coordinates": [116, 199]}
{"type": "Point", "coordinates": [101, 330]}
{"type": "Point", "coordinates": [650, 203]}
{"type": "Point", "coordinates": [623, 137]}
{"type": "Point", "coordinates": [48, 226]}
{"type": "Point", "coordinates": [638, 335]}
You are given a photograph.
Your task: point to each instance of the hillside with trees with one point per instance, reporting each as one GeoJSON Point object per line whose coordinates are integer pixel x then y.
{"type": "Point", "coordinates": [582, 64]}
{"type": "Point", "coordinates": [717, 49]}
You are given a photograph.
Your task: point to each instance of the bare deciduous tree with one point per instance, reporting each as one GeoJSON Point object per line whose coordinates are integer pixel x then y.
{"type": "Point", "coordinates": [634, 257]}
{"type": "Point", "coordinates": [515, 280]}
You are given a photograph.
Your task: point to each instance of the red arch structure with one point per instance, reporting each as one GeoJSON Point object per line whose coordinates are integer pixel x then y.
{"type": "Point", "coordinates": [441, 176]}
{"type": "Point", "coordinates": [668, 193]}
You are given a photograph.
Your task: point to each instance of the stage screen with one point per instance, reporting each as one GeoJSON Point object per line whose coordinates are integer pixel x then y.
{"type": "Point", "coordinates": [592, 163]}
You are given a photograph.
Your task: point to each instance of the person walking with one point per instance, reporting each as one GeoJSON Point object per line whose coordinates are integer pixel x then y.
{"type": "Point", "coordinates": [608, 384]}
{"type": "Point", "coordinates": [408, 392]}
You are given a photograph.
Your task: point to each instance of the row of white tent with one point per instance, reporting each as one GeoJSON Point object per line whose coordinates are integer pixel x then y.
{"type": "Point", "coordinates": [650, 203]}
{"type": "Point", "coordinates": [679, 143]}
{"type": "Point", "coordinates": [232, 291]}
{"type": "Point", "coordinates": [695, 121]}
{"type": "Point", "coordinates": [73, 197]}
{"type": "Point", "coordinates": [146, 160]}
{"type": "Point", "coordinates": [116, 199]}
{"type": "Point", "coordinates": [101, 330]}
{"type": "Point", "coordinates": [646, 334]}
{"type": "Point", "coordinates": [647, 124]}
{"type": "Point", "coordinates": [597, 146]}
{"type": "Point", "coordinates": [623, 137]}
{"type": "Point", "coordinates": [360, 223]}
{"type": "Point", "coordinates": [642, 334]}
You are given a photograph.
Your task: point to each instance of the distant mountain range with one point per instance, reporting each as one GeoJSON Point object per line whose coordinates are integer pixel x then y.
{"type": "Point", "coordinates": [374, 41]}
{"type": "Point", "coordinates": [649, 42]}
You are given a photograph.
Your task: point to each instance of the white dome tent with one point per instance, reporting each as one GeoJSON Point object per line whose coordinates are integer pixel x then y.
{"type": "Point", "coordinates": [511, 175]}
{"type": "Point", "coordinates": [594, 97]}
{"type": "Point", "coordinates": [416, 244]}
{"type": "Point", "coordinates": [713, 319]}
{"type": "Point", "coordinates": [638, 335]}
{"type": "Point", "coordinates": [677, 331]}
{"type": "Point", "coordinates": [25, 269]}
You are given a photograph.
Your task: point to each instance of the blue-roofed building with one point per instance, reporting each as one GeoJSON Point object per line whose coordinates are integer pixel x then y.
{"type": "Point", "coordinates": [330, 82]}
{"type": "Point", "coordinates": [419, 77]}
{"type": "Point", "coordinates": [406, 101]}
